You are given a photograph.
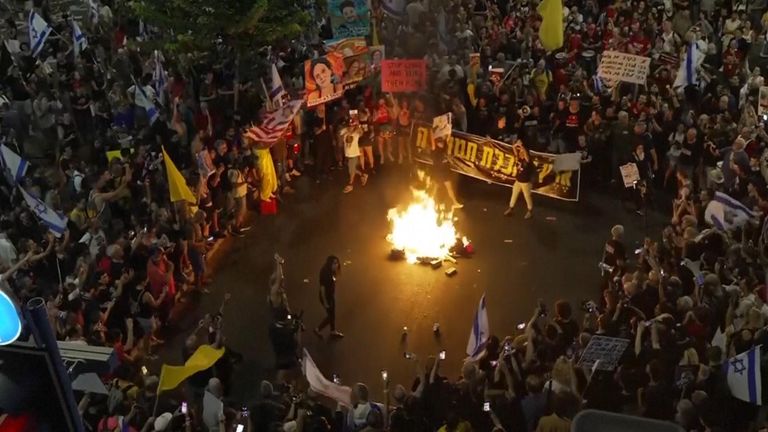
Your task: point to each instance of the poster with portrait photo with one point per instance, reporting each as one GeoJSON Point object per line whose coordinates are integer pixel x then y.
{"type": "Point", "coordinates": [349, 18]}
{"type": "Point", "coordinates": [323, 79]}
{"type": "Point", "coordinates": [376, 54]}
{"type": "Point", "coordinates": [354, 51]}
{"type": "Point", "coordinates": [355, 69]}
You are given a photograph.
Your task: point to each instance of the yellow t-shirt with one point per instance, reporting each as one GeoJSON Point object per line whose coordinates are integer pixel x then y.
{"type": "Point", "coordinates": [461, 427]}
{"type": "Point", "coordinates": [541, 81]}
{"type": "Point", "coordinates": [79, 217]}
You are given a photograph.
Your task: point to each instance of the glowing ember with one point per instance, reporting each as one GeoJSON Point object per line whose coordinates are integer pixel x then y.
{"type": "Point", "coordinates": [422, 230]}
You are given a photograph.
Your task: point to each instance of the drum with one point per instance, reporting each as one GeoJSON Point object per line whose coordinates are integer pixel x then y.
{"type": "Point", "coordinates": [588, 54]}
{"type": "Point", "coordinates": [561, 57]}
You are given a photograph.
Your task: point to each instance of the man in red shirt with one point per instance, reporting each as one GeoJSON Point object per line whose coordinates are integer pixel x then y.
{"type": "Point", "coordinates": [160, 275]}
{"type": "Point", "coordinates": [639, 44]}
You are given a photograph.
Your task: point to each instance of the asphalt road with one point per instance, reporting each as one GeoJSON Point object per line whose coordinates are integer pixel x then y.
{"type": "Point", "coordinates": [517, 261]}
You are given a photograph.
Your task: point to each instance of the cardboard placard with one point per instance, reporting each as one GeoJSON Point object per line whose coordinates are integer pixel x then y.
{"type": "Point", "coordinates": [630, 174]}
{"type": "Point", "coordinates": [323, 78]}
{"type": "Point", "coordinates": [762, 102]}
{"type": "Point", "coordinates": [349, 18]}
{"type": "Point", "coordinates": [605, 351]}
{"type": "Point", "coordinates": [402, 76]}
{"type": "Point", "coordinates": [618, 66]}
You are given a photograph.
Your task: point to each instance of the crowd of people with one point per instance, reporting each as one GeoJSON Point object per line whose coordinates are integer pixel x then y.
{"type": "Point", "coordinates": [131, 260]}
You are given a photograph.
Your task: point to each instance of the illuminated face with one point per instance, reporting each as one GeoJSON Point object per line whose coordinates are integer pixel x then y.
{"type": "Point", "coordinates": [349, 14]}
{"type": "Point", "coordinates": [354, 69]}
{"type": "Point", "coordinates": [322, 75]}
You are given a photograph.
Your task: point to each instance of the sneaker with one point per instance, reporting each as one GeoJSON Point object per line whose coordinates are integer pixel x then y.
{"type": "Point", "coordinates": [287, 177]}
{"type": "Point", "coordinates": [347, 189]}
{"type": "Point", "coordinates": [245, 228]}
{"type": "Point", "coordinates": [508, 211]}
{"type": "Point", "coordinates": [337, 334]}
{"type": "Point", "coordinates": [295, 173]}
{"type": "Point", "coordinates": [364, 179]}
{"type": "Point", "coordinates": [528, 214]}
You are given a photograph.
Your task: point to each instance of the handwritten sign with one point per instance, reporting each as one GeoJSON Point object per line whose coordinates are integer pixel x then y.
{"type": "Point", "coordinates": [605, 351]}
{"type": "Point", "coordinates": [400, 76]}
{"type": "Point", "coordinates": [617, 66]}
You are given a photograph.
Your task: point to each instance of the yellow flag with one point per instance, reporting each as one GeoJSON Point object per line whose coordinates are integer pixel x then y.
{"type": "Point", "coordinates": [176, 183]}
{"type": "Point", "coordinates": [551, 30]}
{"type": "Point", "coordinates": [202, 359]}
{"type": "Point", "coordinates": [375, 30]}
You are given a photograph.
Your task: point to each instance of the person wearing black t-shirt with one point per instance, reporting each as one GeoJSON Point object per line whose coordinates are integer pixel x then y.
{"type": "Point", "coordinates": [525, 170]}
{"type": "Point", "coordinates": [328, 274]}
{"type": "Point", "coordinates": [570, 123]}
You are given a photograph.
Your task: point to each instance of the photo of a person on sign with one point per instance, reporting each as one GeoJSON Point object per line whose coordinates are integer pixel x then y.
{"type": "Point", "coordinates": [323, 83]}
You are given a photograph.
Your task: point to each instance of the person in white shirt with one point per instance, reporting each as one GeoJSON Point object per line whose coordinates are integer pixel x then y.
{"type": "Point", "coordinates": [350, 136]}
{"type": "Point", "coordinates": [8, 252]}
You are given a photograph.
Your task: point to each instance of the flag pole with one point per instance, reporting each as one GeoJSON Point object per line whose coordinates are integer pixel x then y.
{"type": "Point", "coordinates": [58, 269]}
{"type": "Point", "coordinates": [157, 393]}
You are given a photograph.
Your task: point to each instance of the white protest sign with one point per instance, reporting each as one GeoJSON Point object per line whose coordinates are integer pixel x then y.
{"type": "Point", "coordinates": [441, 126]}
{"type": "Point", "coordinates": [630, 174]}
{"type": "Point", "coordinates": [603, 353]}
{"type": "Point", "coordinates": [762, 102]}
{"type": "Point", "coordinates": [618, 66]}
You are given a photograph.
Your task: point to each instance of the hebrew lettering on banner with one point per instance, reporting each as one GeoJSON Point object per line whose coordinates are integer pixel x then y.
{"type": "Point", "coordinates": [494, 161]}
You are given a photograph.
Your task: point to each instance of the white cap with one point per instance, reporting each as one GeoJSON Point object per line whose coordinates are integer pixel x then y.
{"type": "Point", "coordinates": [162, 421]}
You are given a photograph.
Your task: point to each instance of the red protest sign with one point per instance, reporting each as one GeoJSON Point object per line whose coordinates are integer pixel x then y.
{"type": "Point", "coordinates": [398, 76]}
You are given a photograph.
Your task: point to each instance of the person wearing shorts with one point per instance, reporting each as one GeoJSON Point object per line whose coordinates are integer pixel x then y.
{"type": "Point", "coordinates": [366, 139]}
{"type": "Point", "coordinates": [350, 137]}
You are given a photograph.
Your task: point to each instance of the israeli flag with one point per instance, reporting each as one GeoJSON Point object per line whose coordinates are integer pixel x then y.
{"type": "Point", "coordinates": [145, 102]}
{"type": "Point", "coordinates": [79, 40]}
{"type": "Point", "coordinates": [726, 213]}
{"type": "Point", "coordinates": [277, 91]}
{"type": "Point", "coordinates": [13, 165]}
{"type": "Point", "coordinates": [158, 78]}
{"type": "Point", "coordinates": [743, 375]}
{"type": "Point", "coordinates": [480, 332]}
{"type": "Point", "coordinates": [688, 73]}
{"type": "Point", "coordinates": [39, 30]}
{"type": "Point", "coordinates": [56, 222]}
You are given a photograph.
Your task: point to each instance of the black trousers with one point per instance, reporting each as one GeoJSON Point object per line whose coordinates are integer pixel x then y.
{"type": "Point", "coordinates": [330, 318]}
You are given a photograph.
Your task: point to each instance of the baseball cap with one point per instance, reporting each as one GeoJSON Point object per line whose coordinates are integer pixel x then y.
{"type": "Point", "coordinates": [162, 421]}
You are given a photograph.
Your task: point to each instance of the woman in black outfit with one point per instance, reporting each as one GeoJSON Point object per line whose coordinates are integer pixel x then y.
{"type": "Point", "coordinates": [328, 274]}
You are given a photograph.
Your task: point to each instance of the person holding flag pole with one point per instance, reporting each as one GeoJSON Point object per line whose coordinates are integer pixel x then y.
{"type": "Point", "coordinates": [79, 41]}
{"type": "Point", "coordinates": [480, 332]}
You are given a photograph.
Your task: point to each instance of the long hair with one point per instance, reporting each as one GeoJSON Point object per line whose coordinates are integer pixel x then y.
{"type": "Point", "coordinates": [327, 268]}
{"type": "Point", "coordinates": [323, 61]}
{"type": "Point", "coordinates": [521, 150]}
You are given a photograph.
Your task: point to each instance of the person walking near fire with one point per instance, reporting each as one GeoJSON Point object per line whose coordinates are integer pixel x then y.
{"type": "Point", "coordinates": [524, 172]}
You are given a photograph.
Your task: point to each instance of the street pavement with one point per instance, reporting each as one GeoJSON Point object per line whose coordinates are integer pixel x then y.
{"type": "Point", "coordinates": [552, 256]}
